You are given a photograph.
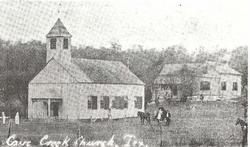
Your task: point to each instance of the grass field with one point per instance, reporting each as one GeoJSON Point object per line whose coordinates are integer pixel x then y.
{"type": "Point", "coordinates": [193, 124]}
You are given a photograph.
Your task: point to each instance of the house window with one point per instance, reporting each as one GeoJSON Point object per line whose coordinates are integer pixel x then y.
{"type": "Point", "coordinates": [205, 85]}
{"type": "Point", "coordinates": [138, 102]}
{"type": "Point", "coordinates": [105, 102]}
{"type": "Point", "coordinates": [125, 102]}
{"type": "Point", "coordinates": [53, 43]}
{"type": "Point", "coordinates": [235, 86]}
{"type": "Point", "coordinates": [223, 86]}
{"type": "Point", "coordinates": [65, 43]}
{"type": "Point", "coordinates": [120, 102]}
{"type": "Point", "coordinates": [92, 102]}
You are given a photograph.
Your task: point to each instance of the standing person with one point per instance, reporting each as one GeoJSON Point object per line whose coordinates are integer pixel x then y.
{"type": "Point", "coordinates": [244, 129]}
{"type": "Point", "coordinates": [159, 115]}
{"type": "Point", "coordinates": [202, 97]}
{"type": "Point", "coordinates": [4, 118]}
{"type": "Point", "coordinates": [168, 115]}
{"type": "Point", "coordinates": [17, 121]}
{"type": "Point", "coordinates": [109, 114]}
{"type": "Point", "coordinates": [244, 139]}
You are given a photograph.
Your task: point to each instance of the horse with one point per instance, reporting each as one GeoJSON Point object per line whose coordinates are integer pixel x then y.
{"type": "Point", "coordinates": [243, 125]}
{"type": "Point", "coordinates": [164, 116]}
{"type": "Point", "coordinates": [144, 116]}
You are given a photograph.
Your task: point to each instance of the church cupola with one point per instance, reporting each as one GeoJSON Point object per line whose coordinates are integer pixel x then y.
{"type": "Point", "coordinates": [58, 43]}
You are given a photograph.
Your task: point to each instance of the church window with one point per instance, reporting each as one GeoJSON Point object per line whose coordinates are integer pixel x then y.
{"type": "Point", "coordinates": [65, 43]}
{"type": "Point", "coordinates": [120, 102]}
{"type": "Point", "coordinates": [104, 102]}
{"type": "Point", "coordinates": [138, 102]}
{"type": "Point", "coordinates": [53, 43]}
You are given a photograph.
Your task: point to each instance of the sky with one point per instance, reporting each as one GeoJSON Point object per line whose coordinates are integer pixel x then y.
{"type": "Point", "coordinates": [212, 24]}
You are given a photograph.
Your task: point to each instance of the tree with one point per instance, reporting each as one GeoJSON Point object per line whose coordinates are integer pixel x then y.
{"type": "Point", "coordinates": [187, 82]}
{"type": "Point", "coordinates": [176, 54]}
{"type": "Point", "coordinates": [115, 45]}
{"type": "Point", "coordinates": [20, 61]}
{"type": "Point", "coordinates": [239, 61]}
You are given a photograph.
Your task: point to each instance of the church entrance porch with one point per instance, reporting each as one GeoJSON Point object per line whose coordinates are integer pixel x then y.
{"type": "Point", "coordinates": [46, 107]}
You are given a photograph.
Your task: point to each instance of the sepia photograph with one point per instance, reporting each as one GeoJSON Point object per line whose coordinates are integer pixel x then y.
{"type": "Point", "coordinates": [124, 73]}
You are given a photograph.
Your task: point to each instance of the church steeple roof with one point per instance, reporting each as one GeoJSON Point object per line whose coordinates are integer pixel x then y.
{"type": "Point", "coordinates": [58, 30]}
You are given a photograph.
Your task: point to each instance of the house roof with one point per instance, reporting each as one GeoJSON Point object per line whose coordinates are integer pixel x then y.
{"type": "Point", "coordinates": [106, 72]}
{"type": "Point", "coordinates": [225, 69]}
{"type": "Point", "coordinates": [170, 72]}
{"type": "Point", "coordinates": [58, 30]}
{"type": "Point", "coordinates": [171, 69]}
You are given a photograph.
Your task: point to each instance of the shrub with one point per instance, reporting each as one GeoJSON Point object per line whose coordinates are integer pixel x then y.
{"type": "Point", "coordinates": [35, 140]}
{"type": "Point", "coordinates": [209, 142]}
{"type": "Point", "coordinates": [195, 143]}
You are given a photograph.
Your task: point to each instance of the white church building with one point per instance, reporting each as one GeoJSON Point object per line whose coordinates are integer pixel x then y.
{"type": "Point", "coordinates": [75, 88]}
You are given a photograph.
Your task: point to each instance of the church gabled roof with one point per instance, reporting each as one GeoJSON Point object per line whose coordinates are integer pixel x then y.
{"type": "Point", "coordinates": [87, 71]}
{"type": "Point", "coordinates": [58, 30]}
{"type": "Point", "coordinates": [106, 72]}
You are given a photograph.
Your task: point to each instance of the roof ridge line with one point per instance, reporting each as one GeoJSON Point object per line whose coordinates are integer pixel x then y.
{"type": "Point", "coordinates": [97, 59]}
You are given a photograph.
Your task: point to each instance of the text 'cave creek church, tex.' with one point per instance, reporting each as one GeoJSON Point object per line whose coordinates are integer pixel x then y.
{"type": "Point", "coordinates": [75, 88]}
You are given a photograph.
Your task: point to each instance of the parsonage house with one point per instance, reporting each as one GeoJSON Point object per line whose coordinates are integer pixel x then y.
{"type": "Point", "coordinates": [75, 88]}
{"type": "Point", "coordinates": [210, 80]}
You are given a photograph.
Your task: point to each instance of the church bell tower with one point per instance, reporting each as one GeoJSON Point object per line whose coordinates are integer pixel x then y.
{"type": "Point", "coordinates": [58, 43]}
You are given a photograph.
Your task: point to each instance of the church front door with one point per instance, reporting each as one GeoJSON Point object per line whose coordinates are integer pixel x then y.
{"type": "Point", "coordinates": [54, 109]}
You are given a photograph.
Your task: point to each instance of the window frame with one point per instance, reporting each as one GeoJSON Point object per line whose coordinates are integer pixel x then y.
{"type": "Point", "coordinates": [120, 102]}
{"type": "Point", "coordinates": [64, 43]}
{"type": "Point", "coordinates": [53, 42]}
{"type": "Point", "coordinates": [203, 83]}
{"type": "Point", "coordinates": [224, 86]}
{"type": "Point", "coordinates": [104, 104]}
{"type": "Point", "coordinates": [138, 104]}
{"type": "Point", "coordinates": [91, 106]}
{"type": "Point", "coordinates": [235, 86]}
